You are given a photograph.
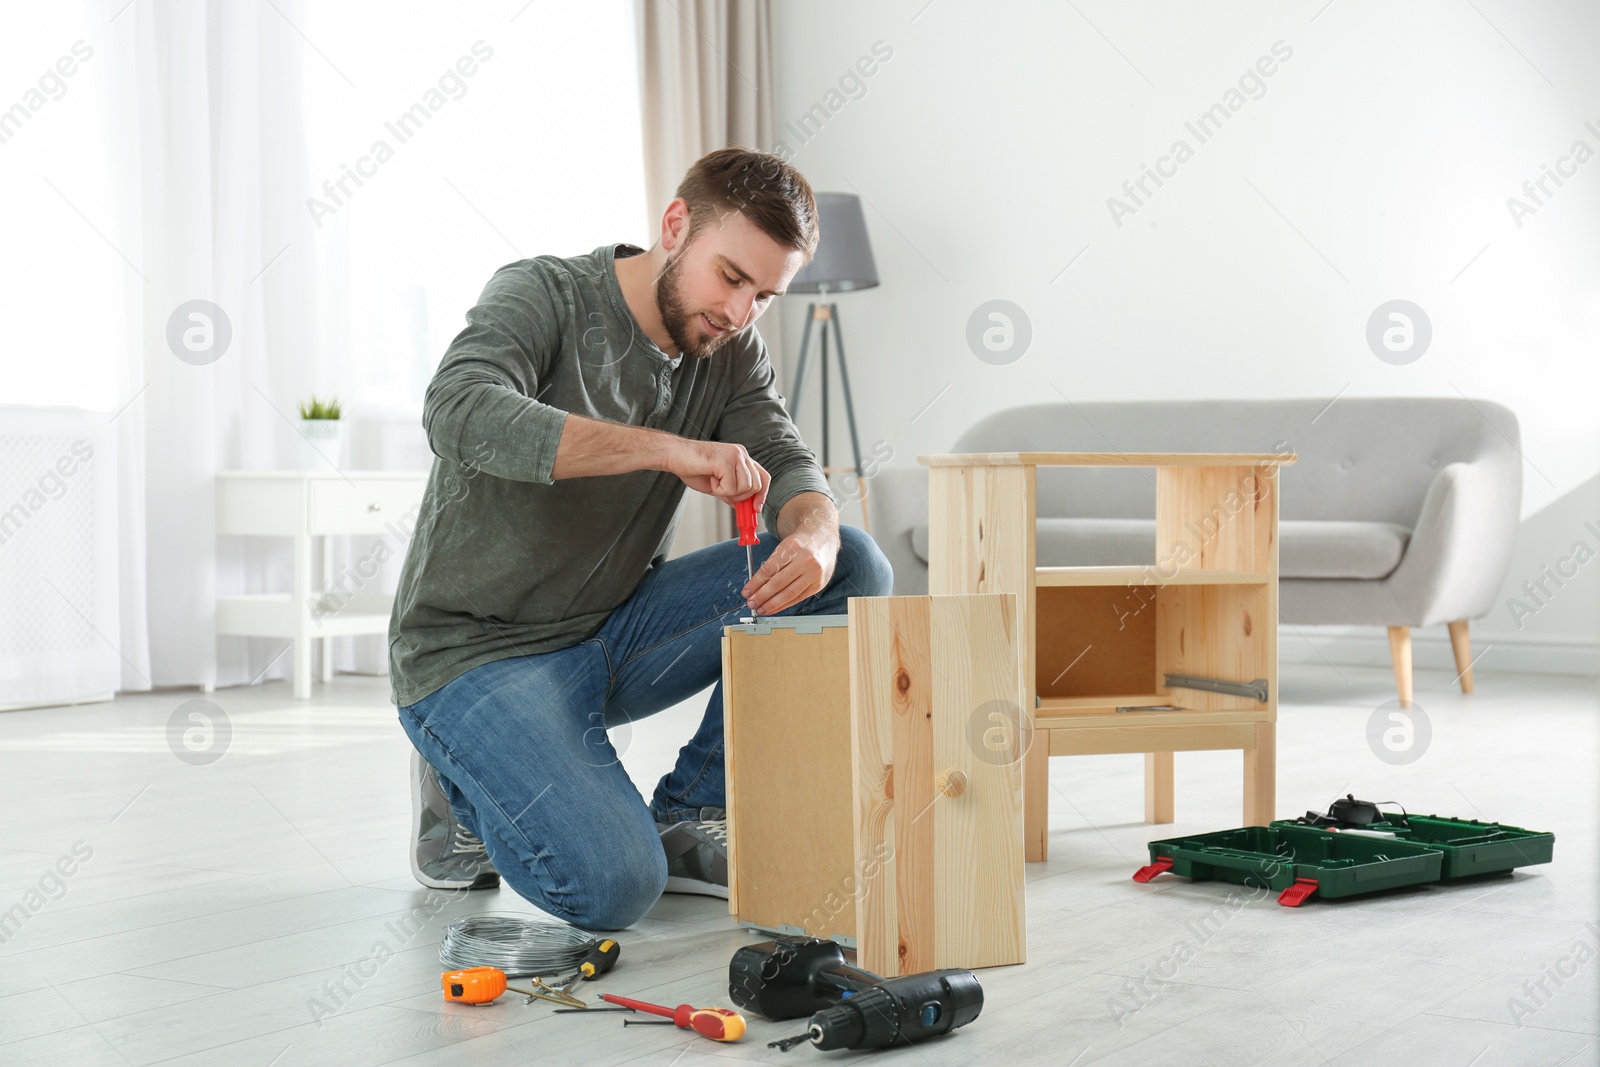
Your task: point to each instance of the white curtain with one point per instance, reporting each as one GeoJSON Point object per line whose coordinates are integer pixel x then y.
{"type": "Point", "coordinates": [707, 81]}
{"type": "Point", "coordinates": [212, 92]}
{"type": "Point", "coordinates": [215, 121]}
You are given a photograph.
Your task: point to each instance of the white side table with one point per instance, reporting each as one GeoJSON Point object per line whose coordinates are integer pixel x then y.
{"type": "Point", "coordinates": [301, 505]}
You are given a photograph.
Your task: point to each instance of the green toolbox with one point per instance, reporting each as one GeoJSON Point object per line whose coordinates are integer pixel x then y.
{"type": "Point", "coordinates": [1297, 860]}
{"type": "Point", "coordinates": [1472, 847]}
{"type": "Point", "coordinates": [1355, 848]}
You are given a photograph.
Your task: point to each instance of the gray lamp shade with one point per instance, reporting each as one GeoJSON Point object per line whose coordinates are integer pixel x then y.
{"type": "Point", "coordinates": [844, 255]}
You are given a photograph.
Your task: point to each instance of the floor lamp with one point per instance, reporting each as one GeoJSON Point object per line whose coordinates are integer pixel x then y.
{"type": "Point", "coordinates": [843, 263]}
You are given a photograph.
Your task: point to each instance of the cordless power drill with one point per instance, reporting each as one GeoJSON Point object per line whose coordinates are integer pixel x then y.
{"type": "Point", "coordinates": [791, 977]}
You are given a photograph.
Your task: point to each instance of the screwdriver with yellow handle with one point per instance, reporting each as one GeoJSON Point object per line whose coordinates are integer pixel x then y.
{"type": "Point", "coordinates": [598, 961]}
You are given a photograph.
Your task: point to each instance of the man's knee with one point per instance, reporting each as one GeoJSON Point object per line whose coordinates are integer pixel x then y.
{"type": "Point", "coordinates": [862, 564]}
{"type": "Point", "coordinates": [620, 897]}
{"type": "Point", "coordinates": [609, 886]}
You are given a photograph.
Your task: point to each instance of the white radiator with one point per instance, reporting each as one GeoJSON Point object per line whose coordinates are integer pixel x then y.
{"type": "Point", "coordinates": [58, 557]}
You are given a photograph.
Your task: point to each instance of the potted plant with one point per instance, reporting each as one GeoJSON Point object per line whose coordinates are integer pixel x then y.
{"type": "Point", "coordinates": [321, 434]}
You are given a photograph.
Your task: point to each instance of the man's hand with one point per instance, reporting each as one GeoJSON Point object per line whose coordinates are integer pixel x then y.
{"type": "Point", "coordinates": [808, 526]}
{"type": "Point", "coordinates": [590, 447]}
{"type": "Point", "coordinates": [722, 470]}
{"type": "Point", "coordinates": [802, 564]}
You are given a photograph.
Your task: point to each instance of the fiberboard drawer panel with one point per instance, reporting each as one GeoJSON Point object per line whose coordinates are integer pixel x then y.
{"type": "Point", "coordinates": [786, 731]}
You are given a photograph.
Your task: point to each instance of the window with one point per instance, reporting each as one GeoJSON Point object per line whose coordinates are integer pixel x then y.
{"type": "Point", "coordinates": [444, 143]}
{"type": "Point", "coordinates": [69, 219]}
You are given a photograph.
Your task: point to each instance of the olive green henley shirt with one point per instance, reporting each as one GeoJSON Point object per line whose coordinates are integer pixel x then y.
{"type": "Point", "coordinates": [503, 560]}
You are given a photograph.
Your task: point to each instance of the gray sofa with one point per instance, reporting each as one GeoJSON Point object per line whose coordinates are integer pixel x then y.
{"type": "Point", "coordinates": [1400, 512]}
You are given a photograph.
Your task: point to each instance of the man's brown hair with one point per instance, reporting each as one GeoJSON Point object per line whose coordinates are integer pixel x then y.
{"type": "Point", "coordinates": [761, 186]}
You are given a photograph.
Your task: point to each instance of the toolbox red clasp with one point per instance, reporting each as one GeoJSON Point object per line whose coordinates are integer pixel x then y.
{"type": "Point", "coordinates": [1150, 870]}
{"type": "Point", "coordinates": [1297, 894]}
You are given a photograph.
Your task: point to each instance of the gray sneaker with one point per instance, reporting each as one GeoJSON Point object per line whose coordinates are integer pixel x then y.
{"type": "Point", "coordinates": [697, 854]}
{"type": "Point", "coordinates": [444, 854]}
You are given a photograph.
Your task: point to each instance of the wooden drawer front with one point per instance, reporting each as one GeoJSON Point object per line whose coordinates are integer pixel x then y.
{"type": "Point", "coordinates": [363, 505]}
{"type": "Point", "coordinates": [938, 782]}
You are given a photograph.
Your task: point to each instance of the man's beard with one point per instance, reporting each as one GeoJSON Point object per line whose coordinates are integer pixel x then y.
{"type": "Point", "coordinates": [678, 319]}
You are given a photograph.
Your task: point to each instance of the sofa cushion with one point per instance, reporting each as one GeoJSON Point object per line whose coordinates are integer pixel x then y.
{"type": "Point", "coordinates": [1306, 549]}
{"type": "Point", "coordinates": [1329, 549]}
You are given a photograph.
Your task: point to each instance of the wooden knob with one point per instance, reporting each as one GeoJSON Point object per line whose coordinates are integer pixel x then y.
{"type": "Point", "coordinates": [952, 783]}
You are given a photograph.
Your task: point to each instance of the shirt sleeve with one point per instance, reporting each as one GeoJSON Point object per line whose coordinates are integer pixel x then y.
{"type": "Point", "coordinates": [755, 416]}
{"type": "Point", "coordinates": [480, 408]}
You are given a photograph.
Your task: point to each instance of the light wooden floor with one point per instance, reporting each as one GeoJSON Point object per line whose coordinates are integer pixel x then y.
{"type": "Point", "coordinates": [221, 902]}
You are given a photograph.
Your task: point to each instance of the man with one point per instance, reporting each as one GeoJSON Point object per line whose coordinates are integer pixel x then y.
{"type": "Point", "coordinates": [537, 607]}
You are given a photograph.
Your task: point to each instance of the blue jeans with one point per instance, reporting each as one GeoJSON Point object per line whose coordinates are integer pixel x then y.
{"type": "Point", "coordinates": [521, 748]}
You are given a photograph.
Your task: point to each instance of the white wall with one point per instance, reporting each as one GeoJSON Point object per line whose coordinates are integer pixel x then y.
{"type": "Point", "coordinates": [1374, 163]}
{"type": "Point", "coordinates": [1552, 593]}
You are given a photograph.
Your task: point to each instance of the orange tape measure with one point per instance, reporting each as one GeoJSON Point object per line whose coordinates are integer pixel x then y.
{"type": "Point", "coordinates": [473, 985]}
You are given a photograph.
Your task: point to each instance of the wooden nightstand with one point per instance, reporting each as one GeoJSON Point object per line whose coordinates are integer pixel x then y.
{"type": "Point", "coordinates": [301, 505]}
{"type": "Point", "coordinates": [1176, 655]}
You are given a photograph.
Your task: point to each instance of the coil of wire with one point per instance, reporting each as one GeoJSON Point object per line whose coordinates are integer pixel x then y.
{"type": "Point", "coordinates": [516, 944]}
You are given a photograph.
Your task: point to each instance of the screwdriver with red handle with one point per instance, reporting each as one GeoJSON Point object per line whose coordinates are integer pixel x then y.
{"type": "Point", "coordinates": [744, 512]}
{"type": "Point", "coordinates": [719, 1024]}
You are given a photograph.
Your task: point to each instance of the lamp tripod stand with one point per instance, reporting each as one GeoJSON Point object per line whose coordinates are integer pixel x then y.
{"type": "Point", "coordinates": [828, 314]}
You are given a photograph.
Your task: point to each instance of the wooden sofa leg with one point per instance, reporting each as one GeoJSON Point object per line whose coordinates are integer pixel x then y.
{"type": "Point", "coordinates": [1400, 652]}
{"type": "Point", "coordinates": [1158, 805]}
{"type": "Point", "coordinates": [1461, 645]}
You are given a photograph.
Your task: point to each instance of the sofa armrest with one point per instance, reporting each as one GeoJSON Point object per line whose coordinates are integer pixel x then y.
{"type": "Point", "coordinates": [1461, 548]}
{"type": "Point", "coordinates": [897, 500]}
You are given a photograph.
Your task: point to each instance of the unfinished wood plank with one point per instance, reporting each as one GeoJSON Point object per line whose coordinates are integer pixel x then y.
{"type": "Point", "coordinates": [1221, 632]}
{"type": "Point", "coordinates": [872, 790]}
{"type": "Point", "coordinates": [891, 682]}
{"type": "Point", "coordinates": [1158, 787]}
{"type": "Point", "coordinates": [1048, 720]}
{"type": "Point", "coordinates": [1102, 740]}
{"type": "Point", "coordinates": [1261, 776]}
{"type": "Point", "coordinates": [981, 539]}
{"type": "Point", "coordinates": [1107, 459]}
{"type": "Point", "coordinates": [1261, 762]}
{"type": "Point", "coordinates": [1096, 702]}
{"type": "Point", "coordinates": [980, 894]}
{"type": "Point", "coordinates": [1036, 798]}
{"type": "Point", "coordinates": [945, 821]}
{"type": "Point", "coordinates": [729, 731]}
{"type": "Point", "coordinates": [906, 679]}
{"type": "Point", "coordinates": [1214, 518]}
{"type": "Point", "coordinates": [1146, 575]}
